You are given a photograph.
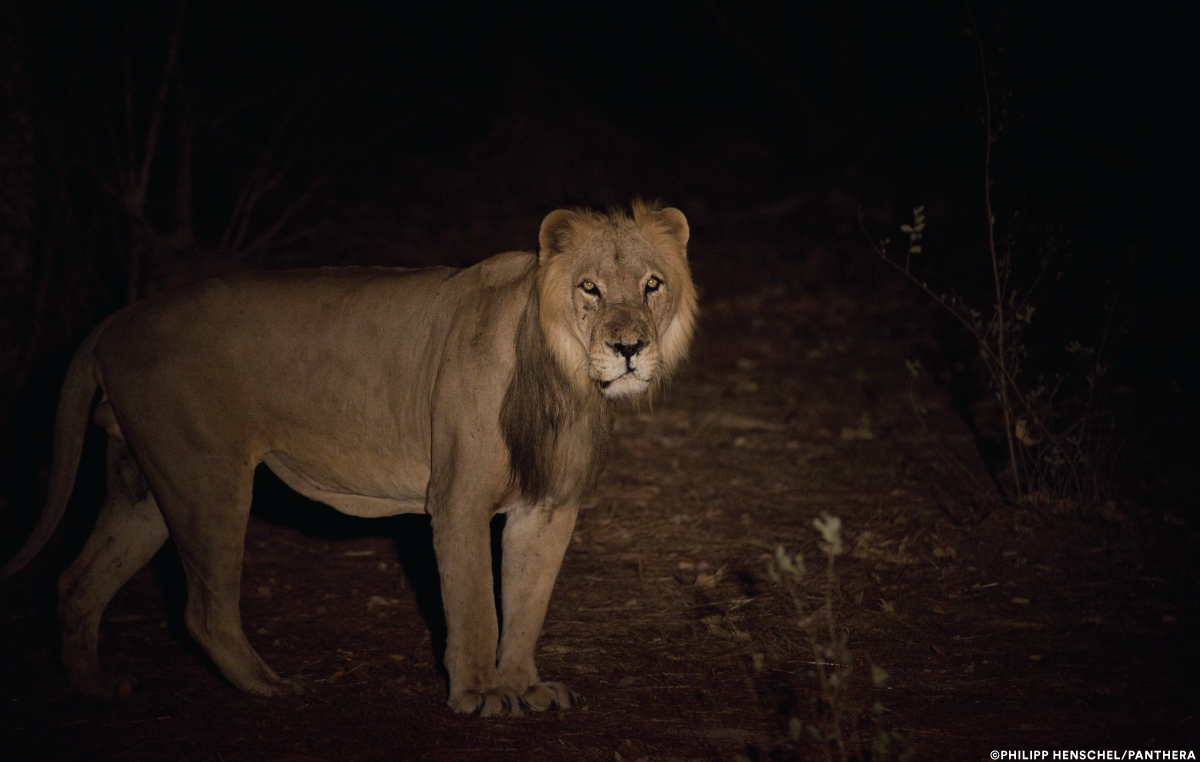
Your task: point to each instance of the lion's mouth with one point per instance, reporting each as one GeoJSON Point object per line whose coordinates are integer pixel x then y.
{"type": "Point", "coordinates": [623, 385]}
{"type": "Point", "coordinates": [611, 381]}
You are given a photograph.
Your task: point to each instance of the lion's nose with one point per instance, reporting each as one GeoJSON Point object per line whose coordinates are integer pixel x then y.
{"type": "Point", "coordinates": [628, 350]}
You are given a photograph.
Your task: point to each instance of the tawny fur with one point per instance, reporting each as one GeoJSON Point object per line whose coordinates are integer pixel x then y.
{"type": "Point", "coordinates": [460, 393]}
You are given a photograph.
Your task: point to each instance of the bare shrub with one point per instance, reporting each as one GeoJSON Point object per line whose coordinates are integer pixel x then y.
{"type": "Point", "coordinates": [1058, 427]}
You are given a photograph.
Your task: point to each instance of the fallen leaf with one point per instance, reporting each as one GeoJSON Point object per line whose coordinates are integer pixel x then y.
{"type": "Point", "coordinates": [379, 600]}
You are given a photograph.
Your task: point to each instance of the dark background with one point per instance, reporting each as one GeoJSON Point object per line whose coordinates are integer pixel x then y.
{"type": "Point", "coordinates": [442, 133]}
{"type": "Point", "coordinates": [437, 133]}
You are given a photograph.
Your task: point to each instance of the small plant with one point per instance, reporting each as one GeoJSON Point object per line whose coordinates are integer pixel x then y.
{"type": "Point", "coordinates": [836, 731]}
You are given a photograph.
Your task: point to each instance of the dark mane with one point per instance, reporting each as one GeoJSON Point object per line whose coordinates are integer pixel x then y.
{"type": "Point", "coordinates": [557, 438]}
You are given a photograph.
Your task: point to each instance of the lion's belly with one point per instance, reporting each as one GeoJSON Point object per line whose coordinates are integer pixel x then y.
{"type": "Point", "coordinates": [408, 496]}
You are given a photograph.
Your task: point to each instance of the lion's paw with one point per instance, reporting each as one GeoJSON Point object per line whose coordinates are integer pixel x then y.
{"type": "Point", "coordinates": [542, 696]}
{"type": "Point", "coordinates": [494, 702]}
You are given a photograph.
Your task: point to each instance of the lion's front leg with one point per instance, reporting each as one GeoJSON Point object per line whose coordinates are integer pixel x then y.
{"type": "Point", "coordinates": [535, 540]}
{"type": "Point", "coordinates": [462, 544]}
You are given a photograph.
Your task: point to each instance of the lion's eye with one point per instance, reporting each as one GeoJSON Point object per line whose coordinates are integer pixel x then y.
{"type": "Point", "coordinates": [589, 288]}
{"type": "Point", "coordinates": [652, 285]}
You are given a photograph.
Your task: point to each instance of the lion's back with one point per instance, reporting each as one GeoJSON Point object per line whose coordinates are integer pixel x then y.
{"type": "Point", "coordinates": [229, 314]}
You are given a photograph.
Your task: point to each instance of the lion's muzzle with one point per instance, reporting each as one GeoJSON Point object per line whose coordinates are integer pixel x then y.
{"type": "Point", "coordinates": [628, 350]}
{"type": "Point", "coordinates": [624, 368]}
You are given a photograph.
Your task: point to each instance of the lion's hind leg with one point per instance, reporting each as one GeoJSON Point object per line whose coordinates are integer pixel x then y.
{"type": "Point", "coordinates": [128, 532]}
{"type": "Point", "coordinates": [206, 502]}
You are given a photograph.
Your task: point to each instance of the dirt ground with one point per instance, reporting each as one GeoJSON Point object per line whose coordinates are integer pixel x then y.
{"type": "Point", "coordinates": [999, 628]}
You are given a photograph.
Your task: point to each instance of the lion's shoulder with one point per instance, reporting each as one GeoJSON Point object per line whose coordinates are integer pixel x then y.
{"type": "Point", "coordinates": [489, 297]}
{"type": "Point", "coordinates": [503, 270]}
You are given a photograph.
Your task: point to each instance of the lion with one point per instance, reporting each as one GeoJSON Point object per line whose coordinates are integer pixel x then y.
{"type": "Point", "coordinates": [462, 393]}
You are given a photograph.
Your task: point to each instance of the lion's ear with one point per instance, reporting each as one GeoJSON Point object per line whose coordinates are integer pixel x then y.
{"type": "Point", "coordinates": [669, 221]}
{"type": "Point", "coordinates": [676, 225]}
{"type": "Point", "coordinates": [557, 231]}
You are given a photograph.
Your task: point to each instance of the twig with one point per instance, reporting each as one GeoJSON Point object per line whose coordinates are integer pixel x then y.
{"type": "Point", "coordinates": [254, 189]}
{"type": "Point", "coordinates": [1001, 339]}
{"type": "Point", "coordinates": [143, 180]}
{"type": "Point", "coordinates": [263, 241]}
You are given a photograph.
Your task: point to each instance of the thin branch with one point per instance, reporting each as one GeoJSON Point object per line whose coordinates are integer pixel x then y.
{"type": "Point", "coordinates": [183, 182]}
{"type": "Point", "coordinates": [263, 240]}
{"type": "Point", "coordinates": [143, 179]}
{"type": "Point", "coordinates": [1001, 284]}
{"type": "Point", "coordinates": [252, 192]}
{"type": "Point", "coordinates": [835, 709]}
{"type": "Point", "coordinates": [128, 53]}
{"type": "Point", "coordinates": [255, 196]}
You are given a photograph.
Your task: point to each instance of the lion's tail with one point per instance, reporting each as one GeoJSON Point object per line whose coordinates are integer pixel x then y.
{"type": "Point", "coordinates": [70, 426]}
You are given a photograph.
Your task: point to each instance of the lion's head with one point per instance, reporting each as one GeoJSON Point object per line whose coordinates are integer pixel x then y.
{"type": "Point", "coordinates": [617, 304]}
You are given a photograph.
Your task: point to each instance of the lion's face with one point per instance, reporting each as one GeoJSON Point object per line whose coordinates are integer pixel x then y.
{"type": "Point", "coordinates": [617, 302]}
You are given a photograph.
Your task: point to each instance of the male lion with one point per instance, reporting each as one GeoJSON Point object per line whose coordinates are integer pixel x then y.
{"type": "Point", "coordinates": [461, 393]}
